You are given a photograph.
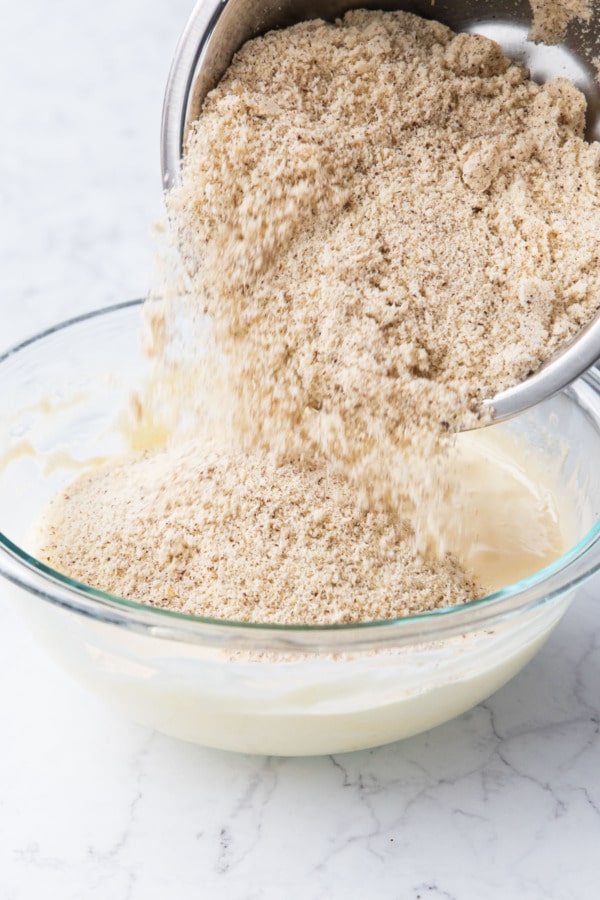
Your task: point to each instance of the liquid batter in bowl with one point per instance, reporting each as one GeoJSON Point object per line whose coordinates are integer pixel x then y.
{"type": "Point", "coordinates": [292, 703]}
{"type": "Point", "coordinates": [264, 689]}
{"type": "Point", "coordinates": [512, 517]}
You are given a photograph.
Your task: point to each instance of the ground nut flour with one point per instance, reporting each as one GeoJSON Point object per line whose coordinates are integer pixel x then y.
{"type": "Point", "coordinates": [551, 18]}
{"type": "Point", "coordinates": [386, 223]}
{"type": "Point", "coordinates": [239, 536]}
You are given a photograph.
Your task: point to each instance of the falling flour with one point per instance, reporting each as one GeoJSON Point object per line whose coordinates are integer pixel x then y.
{"type": "Point", "coordinates": [386, 223]}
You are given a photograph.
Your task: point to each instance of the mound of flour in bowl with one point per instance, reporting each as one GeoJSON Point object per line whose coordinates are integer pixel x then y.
{"type": "Point", "coordinates": [238, 536]}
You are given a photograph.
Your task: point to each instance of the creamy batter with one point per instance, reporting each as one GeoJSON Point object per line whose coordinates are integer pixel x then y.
{"type": "Point", "coordinates": [512, 519]}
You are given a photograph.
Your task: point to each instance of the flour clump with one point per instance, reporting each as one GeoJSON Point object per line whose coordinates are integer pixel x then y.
{"type": "Point", "coordinates": [388, 223]}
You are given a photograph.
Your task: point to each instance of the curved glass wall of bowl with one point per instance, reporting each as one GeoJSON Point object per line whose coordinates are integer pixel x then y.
{"type": "Point", "coordinates": [61, 404]}
{"type": "Point", "coordinates": [216, 29]}
{"type": "Point", "coordinates": [282, 690]}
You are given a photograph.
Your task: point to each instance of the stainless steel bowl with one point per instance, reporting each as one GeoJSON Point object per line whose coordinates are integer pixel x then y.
{"type": "Point", "coordinates": [217, 29]}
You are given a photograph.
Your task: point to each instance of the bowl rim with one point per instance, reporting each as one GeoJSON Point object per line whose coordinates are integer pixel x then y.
{"type": "Point", "coordinates": [574, 567]}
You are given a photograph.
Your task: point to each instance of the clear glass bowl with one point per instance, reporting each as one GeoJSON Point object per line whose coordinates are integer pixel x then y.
{"type": "Point", "coordinates": [252, 688]}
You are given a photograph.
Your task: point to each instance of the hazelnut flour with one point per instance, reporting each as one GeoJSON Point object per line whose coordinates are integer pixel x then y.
{"type": "Point", "coordinates": [387, 223]}
{"type": "Point", "coordinates": [232, 535]}
{"type": "Point", "coordinates": [551, 18]}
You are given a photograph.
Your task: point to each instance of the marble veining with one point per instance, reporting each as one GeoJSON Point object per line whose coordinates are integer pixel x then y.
{"type": "Point", "coordinates": [502, 803]}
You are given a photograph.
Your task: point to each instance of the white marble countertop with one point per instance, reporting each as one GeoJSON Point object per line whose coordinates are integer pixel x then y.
{"type": "Point", "coordinates": [503, 802]}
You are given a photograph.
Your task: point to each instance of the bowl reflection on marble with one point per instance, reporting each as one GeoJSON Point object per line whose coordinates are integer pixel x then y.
{"type": "Point", "coordinates": [259, 689]}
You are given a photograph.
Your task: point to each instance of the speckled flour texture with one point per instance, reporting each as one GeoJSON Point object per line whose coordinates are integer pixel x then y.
{"type": "Point", "coordinates": [386, 223]}
{"type": "Point", "coordinates": [551, 18]}
{"type": "Point", "coordinates": [232, 535]}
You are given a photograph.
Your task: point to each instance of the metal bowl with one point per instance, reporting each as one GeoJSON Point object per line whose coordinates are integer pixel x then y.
{"type": "Point", "coordinates": [217, 29]}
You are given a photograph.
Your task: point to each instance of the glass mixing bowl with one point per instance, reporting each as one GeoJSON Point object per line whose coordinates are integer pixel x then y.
{"type": "Point", "coordinates": [260, 689]}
